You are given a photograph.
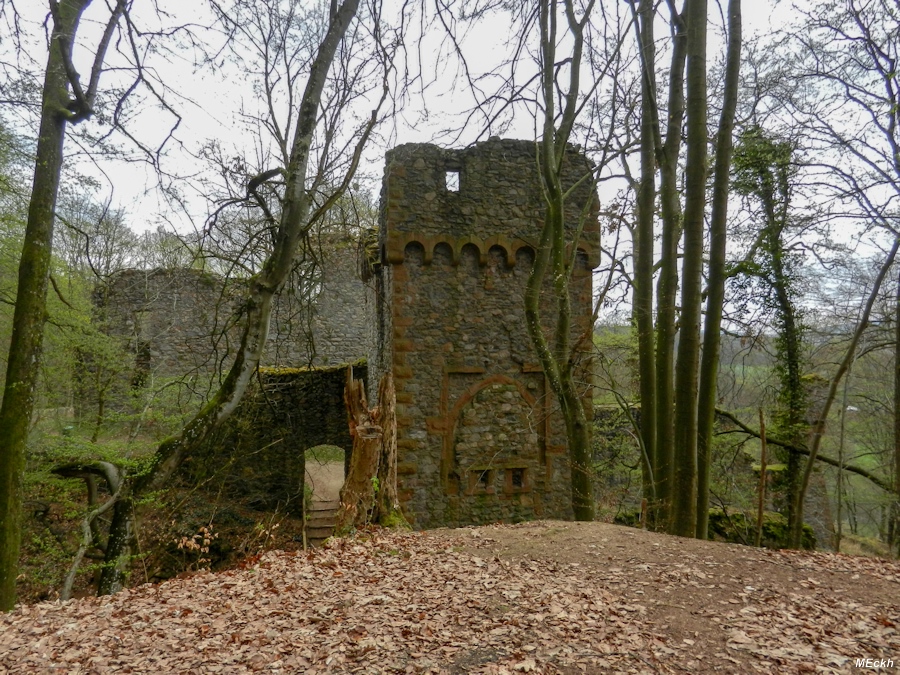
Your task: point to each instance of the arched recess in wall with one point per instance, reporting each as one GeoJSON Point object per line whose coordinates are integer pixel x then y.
{"type": "Point", "coordinates": [503, 242]}
{"type": "Point", "coordinates": [524, 257]}
{"type": "Point", "coordinates": [414, 249]}
{"type": "Point", "coordinates": [469, 254]}
{"type": "Point", "coordinates": [516, 442]}
{"type": "Point", "coordinates": [442, 252]}
{"type": "Point", "coordinates": [499, 252]}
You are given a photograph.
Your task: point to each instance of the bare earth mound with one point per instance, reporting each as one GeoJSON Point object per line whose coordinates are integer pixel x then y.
{"type": "Point", "coordinates": [544, 597]}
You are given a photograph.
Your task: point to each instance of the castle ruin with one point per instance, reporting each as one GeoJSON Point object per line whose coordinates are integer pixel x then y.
{"type": "Point", "coordinates": [479, 436]}
{"type": "Point", "coordinates": [441, 307]}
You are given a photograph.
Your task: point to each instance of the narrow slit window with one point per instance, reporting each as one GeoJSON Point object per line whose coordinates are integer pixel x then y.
{"type": "Point", "coordinates": [480, 480]}
{"type": "Point", "coordinates": [518, 478]}
{"type": "Point", "coordinates": [451, 181]}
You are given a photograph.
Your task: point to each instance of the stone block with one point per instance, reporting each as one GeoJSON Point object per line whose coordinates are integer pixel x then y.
{"type": "Point", "coordinates": [436, 425]}
{"type": "Point", "coordinates": [403, 345]}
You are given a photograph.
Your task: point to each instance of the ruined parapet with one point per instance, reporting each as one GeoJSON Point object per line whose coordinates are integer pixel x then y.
{"type": "Point", "coordinates": [184, 324]}
{"type": "Point", "coordinates": [478, 436]}
{"type": "Point", "coordinates": [325, 322]}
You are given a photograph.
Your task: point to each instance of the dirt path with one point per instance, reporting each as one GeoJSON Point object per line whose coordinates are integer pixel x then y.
{"type": "Point", "coordinates": [545, 597]}
{"type": "Point", "coordinates": [325, 479]}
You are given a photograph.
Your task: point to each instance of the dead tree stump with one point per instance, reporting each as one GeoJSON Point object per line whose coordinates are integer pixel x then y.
{"type": "Point", "coordinates": [369, 493]}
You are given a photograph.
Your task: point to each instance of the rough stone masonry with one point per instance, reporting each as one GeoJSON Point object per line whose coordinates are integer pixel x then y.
{"type": "Point", "coordinates": [479, 435]}
{"type": "Point", "coordinates": [441, 307]}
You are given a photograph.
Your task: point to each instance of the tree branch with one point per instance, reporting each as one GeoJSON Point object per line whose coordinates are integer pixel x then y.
{"type": "Point", "coordinates": [772, 440]}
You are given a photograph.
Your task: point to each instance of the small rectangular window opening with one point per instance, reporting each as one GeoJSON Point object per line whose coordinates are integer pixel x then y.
{"type": "Point", "coordinates": [451, 181]}
{"type": "Point", "coordinates": [483, 480]}
{"type": "Point", "coordinates": [518, 478]}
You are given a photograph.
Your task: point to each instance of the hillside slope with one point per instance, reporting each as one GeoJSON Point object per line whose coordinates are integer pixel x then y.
{"type": "Point", "coordinates": [544, 597]}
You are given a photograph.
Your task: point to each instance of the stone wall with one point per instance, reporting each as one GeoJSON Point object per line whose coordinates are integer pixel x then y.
{"type": "Point", "coordinates": [181, 323]}
{"type": "Point", "coordinates": [161, 325]}
{"type": "Point", "coordinates": [259, 456]}
{"type": "Point", "coordinates": [479, 439]}
{"type": "Point", "coordinates": [170, 319]}
{"type": "Point", "coordinates": [333, 328]}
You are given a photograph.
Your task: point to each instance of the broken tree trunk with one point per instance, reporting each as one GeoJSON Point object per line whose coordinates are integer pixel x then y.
{"type": "Point", "coordinates": [369, 493]}
{"type": "Point", "coordinates": [387, 501]}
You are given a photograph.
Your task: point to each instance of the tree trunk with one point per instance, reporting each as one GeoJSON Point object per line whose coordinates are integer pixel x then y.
{"type": "Point", "coordinates": [387, 499]}
{"type": "Point", "coordinates": [257, 309]}
{"type": "Point", "coordinates": [120, 545]}
{"type": "Point", "coordinates": [550, 257]}
{"type": "Point", "coordinates": [643, 254]}
{"type": "Point", "coordinates": [369, 493]}
{"type": "Point", "coordinates": [113, 477]}
{"type": "Point", "coordinates": [23, 364]}
{"type": "Point", "coordinates": [684, 497]}
{"type": "Point", "coordinates": [667, 285]}
{"type": "Point", "coordinates": [895, 507]}
{"type": "Point", "coordinates": [792, 394]}
{"type": "Point", "coordinates": [763, 170]}
{"type": "Point", "coordinates": [761, 492]}
{"type": "Point", "coordinates": [715, 298]}
{"type": "Point", "coordinates": [358, 491]}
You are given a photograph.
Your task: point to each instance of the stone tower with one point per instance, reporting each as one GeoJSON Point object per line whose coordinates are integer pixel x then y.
{"type": "Point", "coordinates": [479, 439]}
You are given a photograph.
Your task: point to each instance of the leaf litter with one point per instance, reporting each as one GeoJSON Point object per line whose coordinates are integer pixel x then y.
{"type": "Point", "coordinates": [533, 598]}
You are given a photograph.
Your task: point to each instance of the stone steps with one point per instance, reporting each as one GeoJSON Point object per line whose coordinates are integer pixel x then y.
{"type": "Point", "coordinates": [321, 521]}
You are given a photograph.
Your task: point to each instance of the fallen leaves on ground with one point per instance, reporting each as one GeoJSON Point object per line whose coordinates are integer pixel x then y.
{"type": "Point", "coordinates": [421, 603]}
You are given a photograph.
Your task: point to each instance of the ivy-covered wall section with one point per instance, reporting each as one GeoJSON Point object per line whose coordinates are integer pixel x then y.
{"type": "Point", "coordinates": [259, 456]}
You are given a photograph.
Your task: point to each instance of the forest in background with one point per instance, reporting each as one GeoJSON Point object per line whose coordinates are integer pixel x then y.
{"type": "Point", "coordinates": [748, 188]}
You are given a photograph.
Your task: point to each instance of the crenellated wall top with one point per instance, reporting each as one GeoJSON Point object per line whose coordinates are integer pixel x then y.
{"type": "Point", "coordinates": [488, 194]}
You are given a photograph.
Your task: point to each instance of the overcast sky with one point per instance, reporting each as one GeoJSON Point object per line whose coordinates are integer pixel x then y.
{"type": "Point", "coordinates": [210, 104]}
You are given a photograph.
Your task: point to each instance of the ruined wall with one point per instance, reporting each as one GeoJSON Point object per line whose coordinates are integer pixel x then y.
{"type": "Point", "coordinates": [180, 323]}
{"type": "Point", "coordinates": [170, 319]}
{"type": "Point", "coordinates": [478, 436]}
{"type": "Point", "coordinates": [259, 454]}
{"type": "Point", "coordinates": [333, 328]}
{"type": "Point", "coordinates": [160, 325]}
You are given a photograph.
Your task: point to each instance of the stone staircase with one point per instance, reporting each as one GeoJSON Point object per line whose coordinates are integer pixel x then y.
{"type": "Point", "coordinates": [321, 522]}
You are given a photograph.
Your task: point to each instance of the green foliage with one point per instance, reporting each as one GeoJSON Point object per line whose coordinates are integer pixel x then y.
{"type": "Point", "coordinates": [616, 461]}
{"type": "Point", "coordinates": [739, 527]}
{"type": "Point", "coordinates": [49, 449]}
{"type": "Point", "coordinates": [615, 365]}
{"type": "Point", "coordinates": [762, 165]}
{"type": "Point", "coordinates": [325, 454]}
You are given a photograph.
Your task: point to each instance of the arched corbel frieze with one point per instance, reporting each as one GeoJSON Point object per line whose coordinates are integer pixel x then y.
{"type": "Point", "coordinates": [396, 244]}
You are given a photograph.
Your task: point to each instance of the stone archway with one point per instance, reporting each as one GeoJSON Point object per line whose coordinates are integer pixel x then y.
{"type": "Point", "coordinates": [496, 469]}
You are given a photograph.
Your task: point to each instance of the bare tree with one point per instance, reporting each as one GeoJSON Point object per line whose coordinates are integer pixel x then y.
{"type": "Point", "coordinates": [65, 100]}
{"type": "Point", "coordinates": [309, 170]}
{"type": "Point", "coordinates": [848, 109]}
